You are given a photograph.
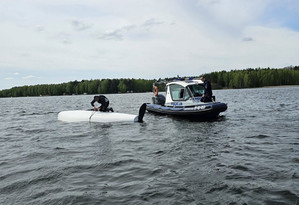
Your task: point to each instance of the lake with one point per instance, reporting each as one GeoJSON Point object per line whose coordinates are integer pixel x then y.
{"type": "Point", "coordinates": [249, 155]}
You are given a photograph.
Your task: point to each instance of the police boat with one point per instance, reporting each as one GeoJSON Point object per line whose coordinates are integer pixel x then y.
{"type": "Point", "coordinates": [183, 99]}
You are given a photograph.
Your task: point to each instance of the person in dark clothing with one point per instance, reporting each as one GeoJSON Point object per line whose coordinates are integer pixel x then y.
{"type": "Point", "coordinates": [103, 100]}
{"type": "Point", "coordinates": [207, 96]}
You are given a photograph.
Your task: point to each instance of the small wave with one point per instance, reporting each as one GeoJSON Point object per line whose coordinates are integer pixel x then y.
{"type": "Point", "coordinates": [240, 167]}
{"type": "Point", "coordinates": [71, 198]}
{"type": "Point", "coordinates": [3, 163]}
{"type": "Point", "coordinates": [25, 183]}
{"type": "Point", "coordinates": [283, 197]}
{"type": "Point", "coordinates": [156, 172]}
{"type": "Point", "coordinates": [295, 176]}
{"type": "Point", "coordinates": [59, 148]}
{"type": "Point", "coordinates": [13, 174]}
{"type": "Point", "coordinates": [296, 160]}
{"type": "Point", "coordinates": [159, 153]}
{"type": "Point", "coordinates": [41, 194]}
{"type": "Point", "coordinates": [123, 162]}
{"type": "Point", "coordinates": [259, 136]}
{"type": "Point", "coordinates": [218, 188]}
{"type": "Point", "coordinates": [237, 190]}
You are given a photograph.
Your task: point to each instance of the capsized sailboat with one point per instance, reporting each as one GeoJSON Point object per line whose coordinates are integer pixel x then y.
{"type": "Point", "coordinates": [98, 116]}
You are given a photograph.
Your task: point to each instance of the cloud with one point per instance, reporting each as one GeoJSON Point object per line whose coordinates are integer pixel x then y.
{"type": "Point", "coordinates": [39, 28]}
{"type": "Point", "coordinates": [151, 22]}
{"type": "Point", "coordinates": [120, 33]}
{"type": "Point", "coordinates": [247, 39]}
{"type": "Point", "coordinates": [30, 77]}
{"type": "Point", "coordinates": [117, 34]}
{"type": "Point", "coordinates": [80, 26]}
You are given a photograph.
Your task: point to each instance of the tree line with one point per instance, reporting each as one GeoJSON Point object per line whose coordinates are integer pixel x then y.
{"type": "Point", "coordinates": [253, 78]}
{"type": "Point", "coordinates": [249, 78]}
{"type": "Point", "coordinates": [103, 86]}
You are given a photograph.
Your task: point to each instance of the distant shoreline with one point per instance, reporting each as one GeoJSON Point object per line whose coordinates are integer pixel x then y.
{"type": "Point", "coordinates": [270, 86]}
{"type": "Point", "coordinates": [273, 86]}
{"type": "Point", "coordinates": [234, 79]}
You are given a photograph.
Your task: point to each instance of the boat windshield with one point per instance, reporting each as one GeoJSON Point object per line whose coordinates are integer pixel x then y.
{"type": "Point", "coordinates": [178, 92]}
{"type": "Point", "coordinates": [197, 90]}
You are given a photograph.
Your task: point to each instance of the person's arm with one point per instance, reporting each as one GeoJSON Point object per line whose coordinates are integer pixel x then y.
{"type": "Point", "coordinates": [92, 102]}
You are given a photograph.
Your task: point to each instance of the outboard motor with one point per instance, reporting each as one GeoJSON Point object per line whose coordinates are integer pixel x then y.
{"type": "Point", "coordinates": [159, 99]}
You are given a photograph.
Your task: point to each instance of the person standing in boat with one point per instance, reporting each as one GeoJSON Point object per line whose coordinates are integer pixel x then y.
{"type": "Point", "coordinates": [207, 96]}
{"type": "Point", "coordinates": [103, 100]}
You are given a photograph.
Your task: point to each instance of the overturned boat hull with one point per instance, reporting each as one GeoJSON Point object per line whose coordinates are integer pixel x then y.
{"type": "Point", "coordinates": [97, 116]}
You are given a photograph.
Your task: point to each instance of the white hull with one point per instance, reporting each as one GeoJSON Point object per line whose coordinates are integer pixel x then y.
{"type": "Point", "coordinates": [95, 116]}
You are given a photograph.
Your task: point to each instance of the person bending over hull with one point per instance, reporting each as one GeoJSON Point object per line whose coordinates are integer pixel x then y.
{"type": "Point", "coordinates": [103, 100]}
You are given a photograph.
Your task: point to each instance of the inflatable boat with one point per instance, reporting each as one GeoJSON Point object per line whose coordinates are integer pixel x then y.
{"type": "Point", "coordinates": [183, 99]}
{"type": "Point", "coordinates": [98, 116]}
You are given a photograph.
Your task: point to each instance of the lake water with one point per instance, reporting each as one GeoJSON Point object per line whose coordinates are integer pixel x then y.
{"type": "Point", "coordinates": [250, 155]}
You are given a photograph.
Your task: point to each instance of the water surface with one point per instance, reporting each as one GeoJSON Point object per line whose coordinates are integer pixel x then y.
{"type": "Point", "coordinates": [249, 155]}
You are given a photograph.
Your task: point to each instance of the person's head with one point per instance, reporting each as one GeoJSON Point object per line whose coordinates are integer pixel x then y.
{"type": "Point", "coordinates": [202, 78]}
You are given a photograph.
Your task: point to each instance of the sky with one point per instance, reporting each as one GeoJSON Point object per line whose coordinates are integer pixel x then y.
{"type": "Point", "coordinates": [56, 41]}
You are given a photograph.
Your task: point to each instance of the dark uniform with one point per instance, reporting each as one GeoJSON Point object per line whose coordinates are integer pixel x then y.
{"type": "Point", "coordinates": [103, 101]}
{"type": "Point", "coordinates": [207, 97]}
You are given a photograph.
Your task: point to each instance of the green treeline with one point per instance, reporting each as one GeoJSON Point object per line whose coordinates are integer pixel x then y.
{"type": "Point", "coordinates": [103, 86]}
{"type": "Point", "coordinates": [249, 78]}
{"type": "Point", "coordinates": [253, 78]}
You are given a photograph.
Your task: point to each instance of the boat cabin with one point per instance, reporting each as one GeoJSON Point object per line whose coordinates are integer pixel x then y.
{"type": "Point", "coordinates": [184, 93]}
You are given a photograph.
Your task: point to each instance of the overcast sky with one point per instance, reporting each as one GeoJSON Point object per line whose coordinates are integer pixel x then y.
{"type": "Point", "coordinates": [55, 41]}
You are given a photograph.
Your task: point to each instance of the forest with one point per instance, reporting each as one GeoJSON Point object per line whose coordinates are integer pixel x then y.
{"type": "Point", "coordinates": [254, 78]}
{"type": "Point", "coordinates": [234, 79]}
